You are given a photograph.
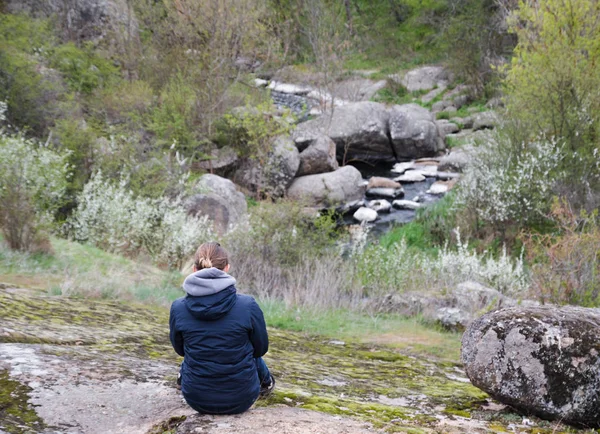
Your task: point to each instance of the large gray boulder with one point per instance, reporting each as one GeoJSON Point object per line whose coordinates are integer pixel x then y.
{"type": "Point", "coordinates": [319, 157]}
{"type": "Point", "coordinates": [272, 176]}
{"type": "Point", "coordinates": [220, 161]}
{"type": "Point", "coordinates": [326, 189]}
{"type": "Point", "coordinates": [413, 132]}
{"type": "Point", "coordinates": [218, 199]}
{"type": "Point", "coordinates": [485, 120]}
{"type": "Point", "coordinates": [457, 160]}
{"type": "Point", "coordinates": [426, 78]}
{"type": "Point", "coordinates": [540, 360]}
{"type": "Point", "coordinates": [359, 130]}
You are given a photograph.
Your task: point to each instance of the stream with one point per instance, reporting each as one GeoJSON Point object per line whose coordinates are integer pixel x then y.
{"type": "Point", "coordinates": [386, 221]}
{"type": "Point", "coordinates": [300, 105]}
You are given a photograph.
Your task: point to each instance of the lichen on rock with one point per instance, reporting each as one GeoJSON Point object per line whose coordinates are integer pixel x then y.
{"type": "Point", "coordinates": [543, 360]}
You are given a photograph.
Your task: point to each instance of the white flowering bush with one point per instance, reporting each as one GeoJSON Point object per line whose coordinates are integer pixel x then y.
{"type": "Point", "coordinates": [110, 216]}
{"type": "Point", "coordinates": [507, 183]}
{"type": "Point", "coordinates": [503, 273]}
{"type": "Point", "coordinates": [400, 269]}
{"type": "Point", "coordinates": [33, 180]}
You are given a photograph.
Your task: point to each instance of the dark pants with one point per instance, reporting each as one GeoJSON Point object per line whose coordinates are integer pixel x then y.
{"type": "Point", "coordinates": [264, 376]}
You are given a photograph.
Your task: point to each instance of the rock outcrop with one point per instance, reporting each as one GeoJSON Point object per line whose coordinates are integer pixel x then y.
{"type": "Point", "coordinates": [98, 366]}
{"type": "Point", "coordinates": [413, 132]}
{"type": "Point", "coordinates": [83, 19]}
{"type": "Point", "coordinates": [325, 189]}
{"type": "Point", "coordinates": [426, 78]}
{"type": "Point", "coordinates": [218, 199]}
{"type": "Point", "coordinates": [359, 130]}
{"type": "Point", "coordinates": [540, 360]}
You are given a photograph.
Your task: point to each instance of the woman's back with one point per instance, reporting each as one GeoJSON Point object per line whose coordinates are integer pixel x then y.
{"type": "Point", "coordinates": [220, 334]}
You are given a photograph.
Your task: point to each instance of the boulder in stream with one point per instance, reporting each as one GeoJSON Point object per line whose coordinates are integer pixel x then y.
{"type": "Point", "coordinates": [406, 204]}
{"type": "Point", "coordinates": [365, 215]}
{"type": "Point", "coordinates": [380, 182]}
{"type": "Point", "coordinates": [413, 132]}
{"type": "Point", "coordinates": [411, 176]}
{"type": "Point", "coordinates": [380, 205]}
{"type": "Point", "coordinates": [541, 360]}
{"type": "Point", "coordinates": [325, 189]}
{"type": "Point", "coordinates": [359, 130]}
{"type": "Point", "coordinates": [391, 193]}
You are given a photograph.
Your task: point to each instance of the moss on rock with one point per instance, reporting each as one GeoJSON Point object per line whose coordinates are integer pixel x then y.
{"type": "Point", "coordinates": [16, 414]}
{"type": "Point", "coordinates": [393, 390]}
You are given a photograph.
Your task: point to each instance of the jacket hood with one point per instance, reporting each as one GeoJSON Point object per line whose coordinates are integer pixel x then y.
{"type": "Point", "coordinates": [211, 293]}
{"type": "Point", "coordinates": [207, 281]}
{"type": "Point", "coordinates": [212, 307]}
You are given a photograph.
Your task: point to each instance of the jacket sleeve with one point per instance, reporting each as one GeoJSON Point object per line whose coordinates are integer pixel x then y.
{"type": "Point", "coordinates": [258, 333]}
{"type": "Point", "coordinates": [175, 335]}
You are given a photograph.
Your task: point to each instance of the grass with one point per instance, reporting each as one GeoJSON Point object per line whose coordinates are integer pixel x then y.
{"type": "Point", "coordinates": [77, 270]}
{"type": "Point", "coordinates": [409, 334]}
{"type": "Point", "coordinates": [430, 229]}
{"type": "Point", "coordinates": [83, 271]}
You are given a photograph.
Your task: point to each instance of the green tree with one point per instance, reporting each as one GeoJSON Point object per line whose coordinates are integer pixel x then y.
{"type": "Point", "coordinates": [553, 86]}
{"type": "Point", "coordinates": [553, 83]}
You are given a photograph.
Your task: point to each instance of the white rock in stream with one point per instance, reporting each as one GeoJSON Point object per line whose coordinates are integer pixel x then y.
{"type": "Point", "coordinates": [402, 167]}
{"type": "Point", "coordinates": [411, 176]}
{"type": "Point", "coordinates": [426, 169]}
{"type": "Point", "coordinates": [365, 215]}
{"type": "Point", "coordinates": [289, 88]}
{"type": "Point", "coordinates": [259, 82]}
{"type": "Point", "coordinates": [406, 204]}
{"type": "Point", "coordinates": [438, 188]}
{"type": "Point", "coordinates": [380, 205]}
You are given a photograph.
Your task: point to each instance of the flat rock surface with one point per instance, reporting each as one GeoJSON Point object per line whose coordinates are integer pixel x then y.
{"type": "Point", "coordinates": [281, 420]}
{"type": "Point", "coordinates": [74, 365]}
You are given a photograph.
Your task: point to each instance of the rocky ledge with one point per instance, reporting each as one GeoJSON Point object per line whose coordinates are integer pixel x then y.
{"type": "Point", "coordinates": [95, 366]}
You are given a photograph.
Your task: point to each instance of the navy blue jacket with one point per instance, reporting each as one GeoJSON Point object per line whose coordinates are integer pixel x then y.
{"type": "Point", "coordinates": [219, 333]}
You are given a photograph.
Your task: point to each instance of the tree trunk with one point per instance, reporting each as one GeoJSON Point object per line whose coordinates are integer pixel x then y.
{"type": "Point", "coordinates": [349, 16]}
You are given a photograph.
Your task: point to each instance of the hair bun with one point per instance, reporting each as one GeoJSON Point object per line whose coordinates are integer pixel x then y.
{"type": "Point", "coordinates": [205, 263]}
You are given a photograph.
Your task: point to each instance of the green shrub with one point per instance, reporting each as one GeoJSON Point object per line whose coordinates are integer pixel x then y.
{"type": "Point", "coordinates": [552, 86]}
{"type": "Point", "coordinates": [126, 102]}
{"type": "Point", "coordinates": [75, 137]}
{"type": "Point", "coordinates": [282, 233]}
{"type": "Point", "coordinates": [476, 40]}
{"type": "Point", "coordinates": [111, 217]}
{"type": "Point", "coordinates": [393, 93]}
{"type": "Point", "coordinates": [553, 80]}
{"type": "Point", "coordinates": [82, 68]}
{"type": "Point", "coordinates": [30, 95]}
{"type": "Point", "coordinates": [250, 130]}
{"type": "Point", "coordinates": [172, 119]}
{"type": "Point", "coordinates": [431, 228]}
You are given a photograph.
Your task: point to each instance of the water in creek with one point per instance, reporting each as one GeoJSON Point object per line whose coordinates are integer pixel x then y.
{"type": "Point", "coordinates": [387, 221]}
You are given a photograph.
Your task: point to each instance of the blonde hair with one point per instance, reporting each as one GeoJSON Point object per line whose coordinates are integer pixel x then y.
{"type": "Point", "coordinates": [210, 255]}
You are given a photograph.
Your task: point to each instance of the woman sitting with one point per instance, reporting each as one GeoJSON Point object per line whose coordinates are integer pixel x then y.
{"type": "Point", "coordinates": [222, 336]}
